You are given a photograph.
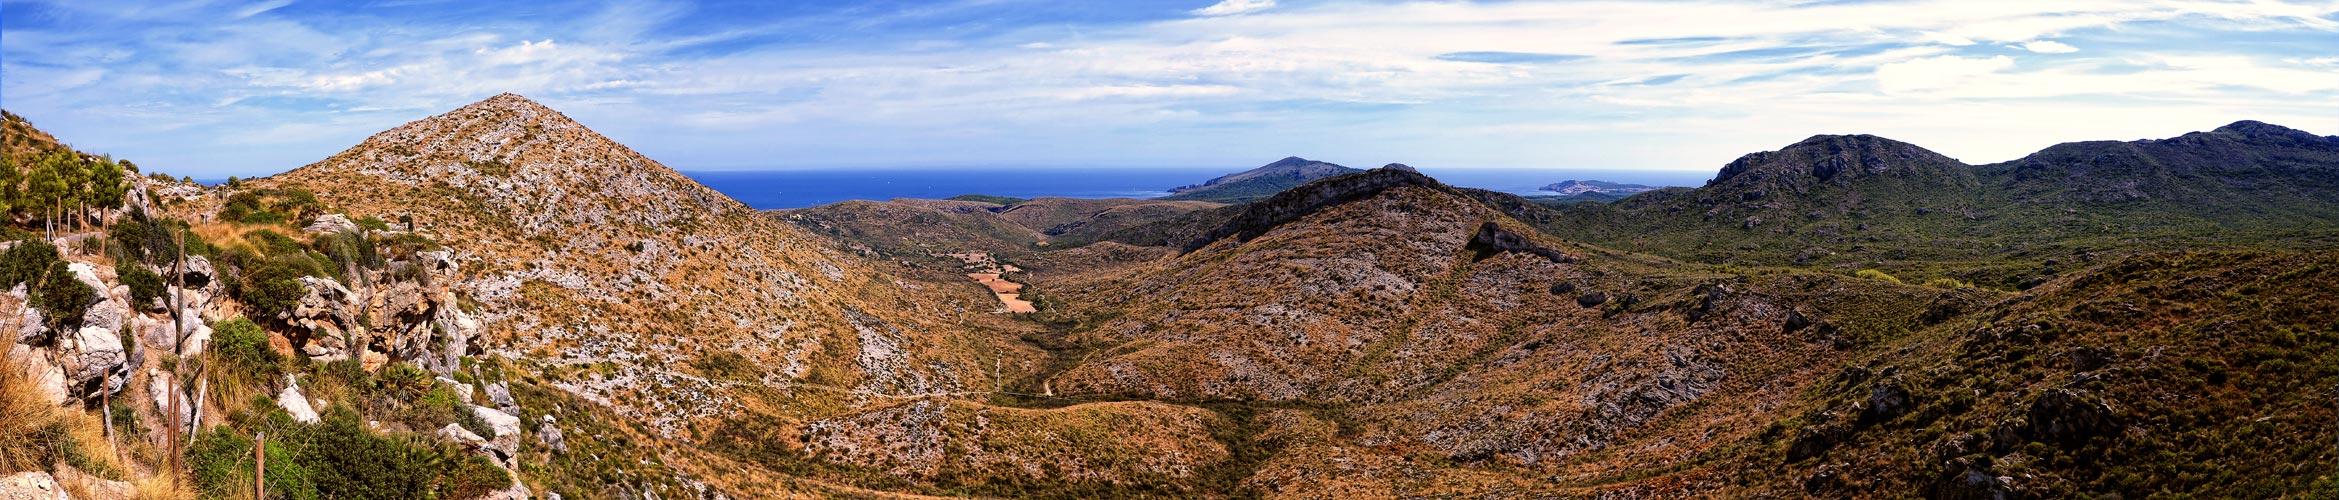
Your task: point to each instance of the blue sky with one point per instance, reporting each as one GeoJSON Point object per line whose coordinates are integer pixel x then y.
{"type": "Point", "coordinates": [212, 88]}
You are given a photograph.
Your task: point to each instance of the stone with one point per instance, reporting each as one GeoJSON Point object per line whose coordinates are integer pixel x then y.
{"type": "Point", "coordinates": [501, 395]}
{"type": "Point", "coordinates": [459, 435]}
{"type": "Point", "coordinates": [106, 313]}
{"type": "Point", "coordinates": [33, 327]}
{"type": "Point", "coordinates": [158, 385]}
{"type": "Point", "coordinates": [330, 223]}
{"type": "Point", "coordinates": [96, 354]}
{"type": "Point", "coordinates": [551, 436]}
{"type": "Point", "coordinates": [295, 403]}
{"type": "Point", "coordinates": [31, 485]}
{"type": "Point", "coordinates": [506, 427]}
{"type": "Point", "coordinates": [1886, 400]}
{"type": "Point", "coordinates": [2068, 416]}
{"type": "Point", "coordinates": [197, 272]}
{"type": "Point", "coordinates": [462, 390]}
{"type": "Point", "coordinates": [198, 338]}
{"type": "Point", "coordinates": [48, 380]}
{"type": "Point", "coordinates": [1966, 481]}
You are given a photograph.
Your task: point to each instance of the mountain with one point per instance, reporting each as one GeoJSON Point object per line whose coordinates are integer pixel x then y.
{"type": "Point", "coordinates": [623, 332]}
{"type": "Point", "coordinates": [1260, 182]}
{"type": "Point", "coordinates": [1575, 187]}
{"type": "Point", "coordinates": [1851, 202]}
{"type": "Point", "coordinates": [748, 354]}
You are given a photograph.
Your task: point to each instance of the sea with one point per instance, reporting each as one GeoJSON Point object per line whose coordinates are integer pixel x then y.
{"type": "Point", "coordinates": [799, 188]}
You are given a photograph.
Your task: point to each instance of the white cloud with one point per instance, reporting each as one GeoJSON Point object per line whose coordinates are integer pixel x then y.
{"type": "Point", "coordinates": [1315, 73]}
{"type": "Point", "coordinates": [2049, 47]}
{"type": "Point", "coordinates": [1948, 39]}
{"type": "Point", "coordinates": [1233, 7]}
{"type": "Point", "coordinates": [1937, 73]}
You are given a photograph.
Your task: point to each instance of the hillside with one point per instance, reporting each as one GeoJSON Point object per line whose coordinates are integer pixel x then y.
{"type": "Point", "coordinates": [502, 302]}
{"type": "Point", "coordinates": [1851, 202]}
{"type": "Point", "coordinates": [1259, 182]}
{"type": "Point", "coordinates": [601, 277]}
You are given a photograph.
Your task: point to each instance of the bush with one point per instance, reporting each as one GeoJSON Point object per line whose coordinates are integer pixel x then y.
{"type": "Point", "coordinates": [1876, 275]}
{"type": "Point", "coordinates": [145, 285]}
{"type": "Point", "coordinates": [63, 299]}
{"type": "Point", "coordinates": [372, 222]}
{"type": "Point", "coordinates": [1949, 283]}
{"type": "Point", "coordinates": [26, 262]}
{"type": "Point", "coordinates": [271, 287]}
{"type": "Point", "coordinates": [347, 249]}
{"type": "Point", "coordinates": [242, 347]}
{"type": "Point", "coordinates": [363, 465]}
{"type": "Point", "coordinates": [274, 244]}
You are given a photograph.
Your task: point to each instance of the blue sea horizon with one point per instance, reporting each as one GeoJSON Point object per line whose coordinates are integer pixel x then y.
{"type": "Point", "coordinates": [800, 188]}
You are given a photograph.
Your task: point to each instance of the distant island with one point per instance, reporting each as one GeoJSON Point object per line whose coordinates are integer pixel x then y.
{"type": "Point", "coordinates": [1575, 187]}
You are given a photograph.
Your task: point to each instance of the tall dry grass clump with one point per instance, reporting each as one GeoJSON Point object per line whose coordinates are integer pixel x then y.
{"type": "Point", "coordinates": [24, 421]}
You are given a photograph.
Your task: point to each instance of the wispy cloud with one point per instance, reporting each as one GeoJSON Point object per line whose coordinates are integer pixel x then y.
{"type": "Point", "coordinates": [1590, 84]}
{"type": "Point", "coordinates": [2049, 47]}
{"type": "Point", "coordinates": [1232, 7]}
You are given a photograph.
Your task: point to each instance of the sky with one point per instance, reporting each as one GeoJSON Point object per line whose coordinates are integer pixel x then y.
{"type": "Point", "coordinates": [212, 88]}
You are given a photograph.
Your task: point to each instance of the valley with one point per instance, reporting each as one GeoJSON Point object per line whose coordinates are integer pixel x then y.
{"type": "Point", "coordinates": [498, 301]}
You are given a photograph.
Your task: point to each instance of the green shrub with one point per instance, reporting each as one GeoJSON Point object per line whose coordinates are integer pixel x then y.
{"type": "Point", "coordinates": [63, 299]}
{"type": "Point", "coordinates": [347, 249]}
{"type": "Point", "coordinates": [1876, 275]}
{"type": "Point", "coordinates": [241, 347]}
{"type": "Point", "coordinates": [372, 222]}
{"type": "Point", "coordinates": [405, 245]}
{"type": "Point", "coordinates": [221, 458]}
{"type": "Point", "coordinates": [26, 262]}
{"type": "Point", "coordinates": [336, 458]}
{"type": "Point", "coordinates": [1948, 283]}
{"type": "Point", "coordinates": [273, 244]}
{"type": "Point", "coordinates": [271, 287]}
{"type": "Point", "coordinates": [145, 286]}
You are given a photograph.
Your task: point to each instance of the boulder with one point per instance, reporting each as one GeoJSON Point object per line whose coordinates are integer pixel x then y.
{"type": "Point", "coordinates": [159, 386]}
{"type": "Point", "coordinates": [2068, 416]}
{"type": "Point", "coordinates": [1965, 480]}
{"type": "Point", "coordinates": [324, 311]}
{"type": "Point", "coordinates": [197, 272]}
{"type": "Point", "coordinates": [501, 395]}
{"type": "Point", "coordinates": [31, 485]}
{"type": "Point", "coordinates": [107, 313]}
{"type": "Point", "coordinates": [48, 380]}
{"type": "Point", "coordinates": [459, 435]}
{"type": "Point", "coordinates": [32, 327]}
{"type": "Point", "coordinates": [551, 436]}
{"type": "Point", "coordinates": [1886, 400]}
{"type": "Point", "coordinates": [506, 426]}
{"type": "Point", "coordinates": [95, 355]}
{"type": "Point", "coordinates": [462, 390]}
{"type": "Point", "coordinates": [330, 223]}
{"type": "Point", "coordinates": [295, 403]}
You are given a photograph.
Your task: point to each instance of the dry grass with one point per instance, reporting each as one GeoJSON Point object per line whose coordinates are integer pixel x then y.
{"type": "Point", "coordinates": [22, 416]}
{"type": "Point", "coordinates": [159, 488]}
{"type": "Point", "coordinates": [229, 235]}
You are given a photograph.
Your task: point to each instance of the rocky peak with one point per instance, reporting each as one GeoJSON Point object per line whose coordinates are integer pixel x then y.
{"type": "Point", "coordinates": [1836, 158]}
{"type": "Point", "coordinates": [523, 162]}
{"type": "Point", "coordinates": [1291, 204]}
{"type": "Point", "coordinates": [2266, 133]}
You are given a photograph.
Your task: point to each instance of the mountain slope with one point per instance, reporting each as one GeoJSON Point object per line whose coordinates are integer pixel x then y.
{"type": "Point", "coordinates": [1259, 182]}
{"type": "Point", "coordinates": [751, 355]}
{"type": "Point", "coordinates": [1851, 202]}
